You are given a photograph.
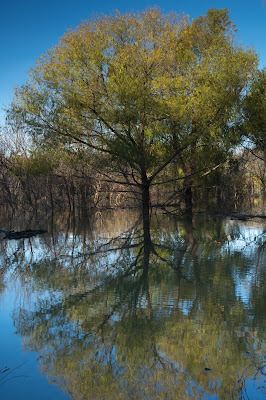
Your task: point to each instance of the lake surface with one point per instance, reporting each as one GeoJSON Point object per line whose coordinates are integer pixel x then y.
{"type": "Point", "coordinates": [102, 309]}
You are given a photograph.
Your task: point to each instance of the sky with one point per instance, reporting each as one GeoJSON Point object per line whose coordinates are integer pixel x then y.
{"type": "Point", "coordinates": [28, 28]}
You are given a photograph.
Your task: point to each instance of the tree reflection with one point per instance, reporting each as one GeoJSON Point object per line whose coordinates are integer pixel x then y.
{"type": "Point", "coordinates": [154, 313]}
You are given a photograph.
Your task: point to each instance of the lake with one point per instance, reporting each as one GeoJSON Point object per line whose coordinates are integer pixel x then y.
{"type": "Point", "coordinates": [105, 308]}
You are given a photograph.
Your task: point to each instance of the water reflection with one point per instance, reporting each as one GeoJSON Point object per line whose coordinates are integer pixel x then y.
{"type": "Point", "coordinates": [174, 310]}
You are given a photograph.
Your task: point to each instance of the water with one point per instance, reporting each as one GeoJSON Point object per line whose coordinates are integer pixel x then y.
{"type": "Point", "coordinates": [99, 310]}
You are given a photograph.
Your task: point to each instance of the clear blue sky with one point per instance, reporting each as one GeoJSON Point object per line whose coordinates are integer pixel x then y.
{"type": "Point", "coordinates": [28, 28]}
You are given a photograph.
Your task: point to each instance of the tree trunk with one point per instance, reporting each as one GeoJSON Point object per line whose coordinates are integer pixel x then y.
{"type": "Point", "coordinates": [145, 186]}
{"type": "Point", "coordinates": [188, 169]}
{"type": "Point", "coordinates": [188, 200]}
{"type": "Point", "coordinates": [188, 195]}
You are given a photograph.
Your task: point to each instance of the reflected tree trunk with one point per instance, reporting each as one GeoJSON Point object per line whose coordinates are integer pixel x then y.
{"type": "Point", "coordinates": [146, 228]}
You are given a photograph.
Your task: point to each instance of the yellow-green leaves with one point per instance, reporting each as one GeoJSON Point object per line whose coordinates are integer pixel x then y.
{"type": "Point", "coordinates": [254, 110]}
{"type": "Point", "coordinates": [136, 85]}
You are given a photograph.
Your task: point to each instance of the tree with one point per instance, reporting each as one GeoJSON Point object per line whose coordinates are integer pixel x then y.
{"type": "Point", "coordinates": [254, 111]}
{"type": "Point", "coordinates": [254, 127]}
{"type": "Point", "coordinates": [142, 89]}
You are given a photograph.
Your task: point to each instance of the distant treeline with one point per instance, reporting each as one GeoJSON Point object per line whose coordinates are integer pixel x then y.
{"type": "Point", "coordinates": [58, 180]}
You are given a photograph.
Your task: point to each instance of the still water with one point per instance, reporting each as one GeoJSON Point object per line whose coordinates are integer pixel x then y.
{"type": "Point", "coordinates": [105, 310]}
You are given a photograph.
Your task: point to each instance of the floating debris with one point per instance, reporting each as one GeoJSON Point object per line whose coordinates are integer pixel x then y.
{"type": "Point", "coordinates": [21, 234]}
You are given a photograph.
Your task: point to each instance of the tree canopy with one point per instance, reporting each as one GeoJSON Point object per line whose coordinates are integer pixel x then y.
{"type": "Point", "coordinates": [254, 110]}
{"type": "Point", "coordinates": [141, 88]}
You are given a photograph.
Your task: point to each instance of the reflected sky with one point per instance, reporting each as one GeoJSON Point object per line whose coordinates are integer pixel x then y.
{"type": "Point", "coordinates": [106, 309]}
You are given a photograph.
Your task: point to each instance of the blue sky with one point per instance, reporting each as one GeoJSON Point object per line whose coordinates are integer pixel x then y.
{"type": "Point", "coordinates": [28, 28]}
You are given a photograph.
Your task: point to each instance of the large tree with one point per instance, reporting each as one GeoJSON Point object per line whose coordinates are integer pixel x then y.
{"type": "Point", "coordinates": [144, 89]}
{"type": "Point", "coordinates": [254, 110]}
{"type": "Point", "coordinates": [254, 127]}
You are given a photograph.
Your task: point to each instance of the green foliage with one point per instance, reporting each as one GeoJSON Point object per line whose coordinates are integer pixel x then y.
{"type": "Point", "coordinates": [254, 110]}
{"type": "Point", "coordinates": [37, 164]}
{"type": "Point", "coordinates": [140, 87]}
